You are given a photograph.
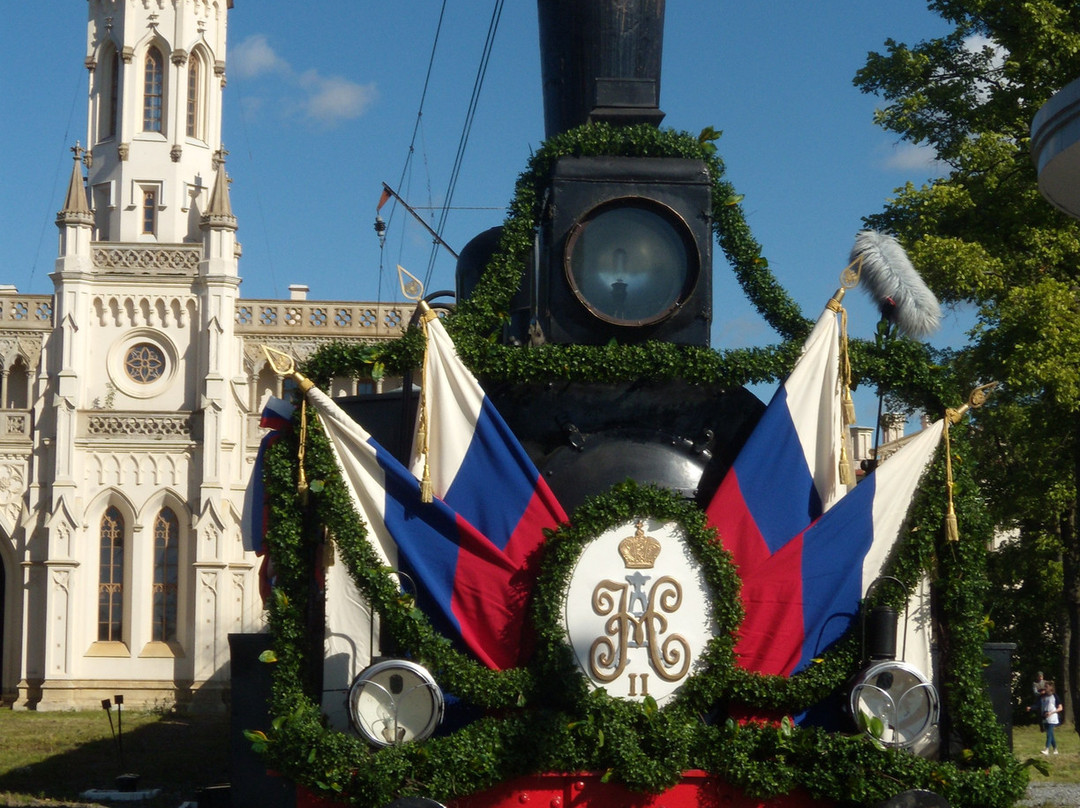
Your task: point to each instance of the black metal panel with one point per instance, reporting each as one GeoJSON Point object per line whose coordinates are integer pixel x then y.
{"type": "Point", "coordinates": [389, 418]}
{"type": "Point", "coordinates": [586, 437]}
{"type": "Point", "coordinates": [998, 676]}
{"type": "Point", "coordinates": [250, 697]}
{"type": "Point", "coordinates": [600, 60]}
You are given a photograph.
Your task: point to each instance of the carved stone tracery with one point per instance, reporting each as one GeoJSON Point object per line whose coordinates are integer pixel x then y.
{"type": "Point", "coordinates": [140, 426]}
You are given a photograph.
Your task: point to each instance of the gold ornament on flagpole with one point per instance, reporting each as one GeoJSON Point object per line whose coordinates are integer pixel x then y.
{"type": "Point", "coordinates": [849, 278]}
{"type": "Point", "coordinates": [284, 365]}
{"type": "Point", "coordinates": [953, 416]}
{"type": "Point", "coordinates": [411, 286]}
{"type": "Point", "coordinates": [413, 289]}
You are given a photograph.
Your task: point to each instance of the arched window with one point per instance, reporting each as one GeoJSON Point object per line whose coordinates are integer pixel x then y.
{"type": "Point", "coordinates": [166, 571]}
{"type": "Point", "coordinates": [153, 88]}
{"type": "Point", "coordinates": [111, 578]}
{"type": "Point", "coordinates": [17, 388]}
{"type": "Point", "coordinates": [149, 210]}
{"type": "Point", "coordinates": [194, 80]}
{"type": "Point", "coordinates": [110, 101]}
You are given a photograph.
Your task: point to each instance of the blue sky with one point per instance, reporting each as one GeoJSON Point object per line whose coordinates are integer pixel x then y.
{"type": "Point", "coordinates": [322, 101]}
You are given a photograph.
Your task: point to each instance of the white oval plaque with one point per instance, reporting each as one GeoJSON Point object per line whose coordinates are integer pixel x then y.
{"type": "Point", "coordinates": [638, 610]}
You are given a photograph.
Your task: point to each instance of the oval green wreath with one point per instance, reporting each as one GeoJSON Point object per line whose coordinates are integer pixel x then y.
{"type": "Point", "coordinates": [562, 550]}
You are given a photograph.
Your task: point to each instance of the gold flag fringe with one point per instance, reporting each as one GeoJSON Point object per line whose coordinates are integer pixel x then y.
{"type": "Point", "coordinates": [423, 432]}
{"type": "Point", "coordinates": [848, 279]}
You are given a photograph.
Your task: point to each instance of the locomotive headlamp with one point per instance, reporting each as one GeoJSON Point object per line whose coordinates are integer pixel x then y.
{"type": "Point", "coordinates": [904, 701]}
{"type": "Point", "coordinates": [631, 262]}
{"type": "Point", "coordinates": [395, 701]}
{"type": "Point", "coordinates": [626, 252]}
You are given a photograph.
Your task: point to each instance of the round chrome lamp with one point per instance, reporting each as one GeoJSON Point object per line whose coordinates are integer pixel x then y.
{"type": "Point", "coordinates": [631, 262]}
{"type": "Point", "coordinates": [901, 697]}
{"type": "Point", "coordinates": [395, 701]}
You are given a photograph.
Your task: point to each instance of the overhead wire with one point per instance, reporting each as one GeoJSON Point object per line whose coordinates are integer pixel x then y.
{"type": "Point", "coordinates": [406, 168]}
{"type": "Point", "coordinates": [470, 116]}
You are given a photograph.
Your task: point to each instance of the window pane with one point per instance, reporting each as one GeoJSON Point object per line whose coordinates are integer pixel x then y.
{"type": "Point", "coordinates": [193, 97]}
{"type": "Point", "coordinates": [150, 211]}
{"type": "Point", "coordinates": [152, 90]}
{"type": "Point", "coordinates": [111, 577]}
{"type": "Point", "coordinates": [166, 561]}
{"type": "Point", "coordinates": [111, 103]}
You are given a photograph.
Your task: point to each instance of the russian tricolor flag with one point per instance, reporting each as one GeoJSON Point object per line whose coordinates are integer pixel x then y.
{"type": "Point", "coordinates": [788, 472]}
{"type": "Point", "coordinates": [476, 464]}
{"type": "Point", "coordinates": [277, 417]}
{"type": "Point", "coordinates": [473, 552]}
{"type": "Point", "coordinates": [805, 596]}
{"type": "Point", "coordinates": [430, 543]}
{"type": "Point", "coordinates": [804, 546]}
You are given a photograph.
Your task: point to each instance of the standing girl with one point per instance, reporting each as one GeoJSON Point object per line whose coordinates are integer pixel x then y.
{"type": "Point", "coordinates": [1051, 712]}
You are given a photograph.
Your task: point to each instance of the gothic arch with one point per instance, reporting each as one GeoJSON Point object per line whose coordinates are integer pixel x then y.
{"type": "Point", "coordinates": [197, 92]}
{"type": "Point", "coordinates": [99, 515]}
{"type": "Point", "coordinates": [152, 48]}
{"type": "Point", "coordinates": [9, 616]}
{"type": "Point", "coordinates": [181, 568]}
{"type": "Point", "coordinates": [17, 386]}
{"type": "Point", "coordinates": [107, 90]}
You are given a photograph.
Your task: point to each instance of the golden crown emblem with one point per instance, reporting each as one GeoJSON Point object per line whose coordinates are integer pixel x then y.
{"type": "Point", "coordinates": [639, 551]}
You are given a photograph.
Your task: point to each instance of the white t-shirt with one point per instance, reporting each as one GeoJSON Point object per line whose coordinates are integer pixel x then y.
{"type": "Point", "coordinates": [1049, 708]}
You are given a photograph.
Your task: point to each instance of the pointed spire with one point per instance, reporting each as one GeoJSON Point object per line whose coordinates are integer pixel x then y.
{"type": "Point", "coordinates": [76, 209]}
{"type": "Point", "coordinates": [219, 209]}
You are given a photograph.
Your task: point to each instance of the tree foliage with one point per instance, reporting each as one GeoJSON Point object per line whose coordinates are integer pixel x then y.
{"type": "Point", "coordinates": [981, 234]}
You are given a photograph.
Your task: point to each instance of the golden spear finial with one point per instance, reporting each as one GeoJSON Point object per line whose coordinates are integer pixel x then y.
{"type": "Point", "coordinates": [284, 365]}
{"type": "Point", "coordinates": [953, 416]}
{"type": "Point", "coordinates": [848, 279]}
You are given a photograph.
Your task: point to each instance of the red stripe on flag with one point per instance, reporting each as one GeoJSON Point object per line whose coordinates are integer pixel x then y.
{"type": "Point", "coordinates": [770, 638]}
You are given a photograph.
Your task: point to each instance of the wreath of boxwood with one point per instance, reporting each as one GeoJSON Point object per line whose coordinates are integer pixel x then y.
{"type": "Point", "coordinates": [527, 728]}
{"type": "Point", "coordinates": [624, 503]}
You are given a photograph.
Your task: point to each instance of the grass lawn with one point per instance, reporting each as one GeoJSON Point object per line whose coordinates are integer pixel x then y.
{"type": "Point", "coordinates": [56, 756]}
{"type": "Point", "coordinates": [1028, 742]}
{"type": "Point", "coordinates": [48, 759]}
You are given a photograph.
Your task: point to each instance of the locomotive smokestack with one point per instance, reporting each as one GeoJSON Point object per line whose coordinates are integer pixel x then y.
{"type": "Point", "coordinates": [600, 61]}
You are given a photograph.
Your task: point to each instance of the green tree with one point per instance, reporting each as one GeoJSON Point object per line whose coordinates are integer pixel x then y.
{"type": "Point", "coordinates": [982, 235]}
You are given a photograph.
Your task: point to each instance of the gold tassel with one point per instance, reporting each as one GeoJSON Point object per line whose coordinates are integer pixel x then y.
{"type": "Point", "coordinates": [847, 473]}
{"type": "Point", "coordinates": [426, 494]}
{"type": "Point", "coordinates": [301, 480]}
{"type": "Point", "coordinates": [952, 416]}
{"type": "Point", "coordinates": [422, 436]}
{"type": "Point", "coordinates": [952, 527]}
{"type": "Point", "coordinates": [847, 404]}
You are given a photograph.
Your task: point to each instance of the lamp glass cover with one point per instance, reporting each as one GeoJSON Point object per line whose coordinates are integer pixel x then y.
{"type": "Point", "coordinates": [628, 262]}
{"type": "Point", "coordinates": [395, 701]}
{"type": "Point", "coordinates": [900, 696]}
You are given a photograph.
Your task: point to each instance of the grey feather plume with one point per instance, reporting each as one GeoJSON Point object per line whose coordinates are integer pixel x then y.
{"type": "Point", "coordinates": [896, 286]}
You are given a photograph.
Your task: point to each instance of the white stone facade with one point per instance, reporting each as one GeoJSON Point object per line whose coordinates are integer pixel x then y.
{"type": "Point", "coordinates": [130, 399]}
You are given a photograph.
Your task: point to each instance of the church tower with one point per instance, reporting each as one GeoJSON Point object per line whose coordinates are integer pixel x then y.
{"type": "Point", "coordinates": [157, 71]}
{"type": "Point", "coordinates": [139, 567]}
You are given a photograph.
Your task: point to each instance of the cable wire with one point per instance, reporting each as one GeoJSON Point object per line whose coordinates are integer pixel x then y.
{"type": "Point", "coordinates": [470, 116]}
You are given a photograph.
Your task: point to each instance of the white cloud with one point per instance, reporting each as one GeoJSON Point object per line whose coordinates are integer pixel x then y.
{"type": "Point", "coordinates": [911, 157]}
{"type": "Point", "coordinates": [333, 98]}
{"type": "Point", "coordinates": [326, 100]}
{"type": "Point", "coordinates": [254, 56]}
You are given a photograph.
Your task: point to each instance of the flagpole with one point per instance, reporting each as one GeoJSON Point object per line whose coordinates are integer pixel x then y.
{"type": "Point", "coordinates": [438, 240]}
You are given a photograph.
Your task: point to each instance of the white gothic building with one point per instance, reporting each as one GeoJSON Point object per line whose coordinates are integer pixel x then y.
{"type": "Point", "coordinates": [130, 397]}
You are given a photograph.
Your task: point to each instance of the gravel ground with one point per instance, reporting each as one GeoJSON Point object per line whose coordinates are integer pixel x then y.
{"type": "Point", "coordinates": [1058, 794]}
